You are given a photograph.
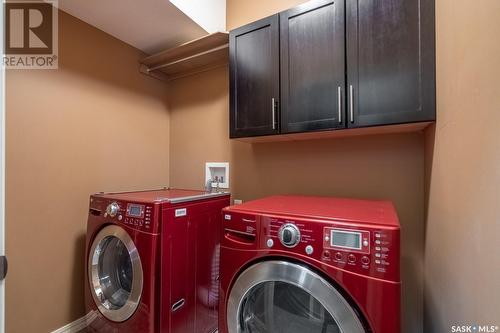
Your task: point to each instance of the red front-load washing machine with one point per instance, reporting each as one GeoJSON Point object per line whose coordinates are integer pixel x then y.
{"type": "Point", "coordinates": [296, 264]}
{"type": "Point", "coordinates": [153, 261]}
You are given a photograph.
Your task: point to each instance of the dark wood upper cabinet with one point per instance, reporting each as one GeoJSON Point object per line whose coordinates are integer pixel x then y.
{"type": "Point", "coordinates": [312, 66]}
{"type": "Point", "coordinates": [390, 62]}
{"type": "Point", "coordinates": [254, 78]}
{"type": "Point", "coordinates": [334, 64]}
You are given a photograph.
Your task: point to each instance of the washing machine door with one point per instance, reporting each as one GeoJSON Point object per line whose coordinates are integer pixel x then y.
{"type": "Point", "coordinates": [115, 273]}
{"type": "Point", "coordinates": [283, 297]}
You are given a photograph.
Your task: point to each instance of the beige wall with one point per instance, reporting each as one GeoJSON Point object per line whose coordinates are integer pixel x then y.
{"type": "Point", "coordinates": [95, 124]}
{"type": "Point", "coordinates": [462, 261]}
{"type": "Point", "coordinates": [388, 166]}
{"type": "Point", "coordinates": [240, 12]}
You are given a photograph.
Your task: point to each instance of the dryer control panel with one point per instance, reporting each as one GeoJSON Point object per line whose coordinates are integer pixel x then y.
{"type": "Point", "coordinates": [362, 249]}
{"type": "Point", "coordinates": [139, 216]}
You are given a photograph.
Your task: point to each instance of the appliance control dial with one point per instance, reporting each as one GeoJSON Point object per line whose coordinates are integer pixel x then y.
{"type": "Point", "coordinates": [113, 209]}
{"type": "Point", "coordinates": [289, 235]}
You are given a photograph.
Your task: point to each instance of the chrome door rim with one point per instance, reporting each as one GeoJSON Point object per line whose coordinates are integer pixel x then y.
{"type": "Point", "coordinates": [124, 312]}
{"type": "Point", "coordinates": [299, 276]}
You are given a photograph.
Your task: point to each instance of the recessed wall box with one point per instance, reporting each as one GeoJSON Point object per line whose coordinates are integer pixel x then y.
{"type": "Point", "coordinates": [217, 171]}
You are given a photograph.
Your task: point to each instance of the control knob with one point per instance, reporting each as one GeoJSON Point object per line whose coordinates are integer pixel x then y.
{"type": "Point", "coordinates": [113, 209]}
{"type": "Point", "coordinates": [289, 235]}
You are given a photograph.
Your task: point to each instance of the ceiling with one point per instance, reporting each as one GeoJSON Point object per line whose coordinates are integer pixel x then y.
{"type": "Point", "coordinates": [149, 25]}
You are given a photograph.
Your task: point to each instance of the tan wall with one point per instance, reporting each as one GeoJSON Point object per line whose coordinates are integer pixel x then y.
{"type": "Point", "coordinates": [240, 12]}
{"type": "Point", "coordinates": [463, 158]}
{"type": "Point", "coordinates": [95, 124]}
{"type": "Point", "coordinates": [389, 166]}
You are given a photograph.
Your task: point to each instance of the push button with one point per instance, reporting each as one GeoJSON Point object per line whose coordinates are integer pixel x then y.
{"type": "Point", "coordinates": [270, 243]}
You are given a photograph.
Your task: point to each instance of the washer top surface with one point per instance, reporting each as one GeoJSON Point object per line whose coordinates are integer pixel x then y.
{"type": "Point", "coordinates": [354, 210]}
{"type": "Point", "coordinates": [162, 195]}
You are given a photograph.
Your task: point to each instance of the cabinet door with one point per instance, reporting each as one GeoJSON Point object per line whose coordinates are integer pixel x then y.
{"type": "Point", "coordinates": [254, 78]}
{"type": "Point", "coordinates": [312, 66]}
{"type": "Point", "coordinates": [390, 61]}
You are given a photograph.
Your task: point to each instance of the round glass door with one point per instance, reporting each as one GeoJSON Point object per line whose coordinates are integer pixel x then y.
{"type": "Point", "coordinates": [115, 273]}
{"type": "Point", "coordinates": [282, 297]}
{"type": "Point", "coordinates": [283, 307]}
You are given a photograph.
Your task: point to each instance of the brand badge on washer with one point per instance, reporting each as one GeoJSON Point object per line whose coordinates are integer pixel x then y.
{"type": "Point", "coordinates": [180, 212]}
{"type": "Point", "coordinates": [227, 217]}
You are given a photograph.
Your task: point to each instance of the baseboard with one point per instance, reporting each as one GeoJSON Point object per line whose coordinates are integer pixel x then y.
{"type": "Point", "coordinates": [77, 325]}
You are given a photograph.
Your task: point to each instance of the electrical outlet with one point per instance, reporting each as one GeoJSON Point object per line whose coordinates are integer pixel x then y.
{"type": "Point", "coordinates": [238, 201]}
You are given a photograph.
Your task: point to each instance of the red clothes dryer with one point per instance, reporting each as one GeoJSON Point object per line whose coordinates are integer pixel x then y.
{"type": "Point", "coordinates": [153, 261]}
{"type": "Point", "coordinates": [296, 264]}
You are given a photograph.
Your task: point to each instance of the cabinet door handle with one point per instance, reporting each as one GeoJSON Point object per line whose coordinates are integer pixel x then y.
{"type": "Point", "coordinates": [339, 96]}
{"type": "Point", "coordinates": [351, 103]}
{"type": "Point", "coordinates": [273, 110]}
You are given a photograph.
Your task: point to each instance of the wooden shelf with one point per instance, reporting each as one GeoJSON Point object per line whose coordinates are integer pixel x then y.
{"type": "Point", "coordinates": [193, 57]}
{"type": "Point", "coordinates": [342, 133]}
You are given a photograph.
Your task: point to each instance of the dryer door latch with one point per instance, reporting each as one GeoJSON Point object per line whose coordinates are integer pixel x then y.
{"type": "Point", "coordinates": [3, 267]}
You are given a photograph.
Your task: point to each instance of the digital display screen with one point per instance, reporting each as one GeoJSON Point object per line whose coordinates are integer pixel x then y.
{"type": "Point", "coordinates": [135, 210]}
{"type": "Point", "coordinates": [346, 239]}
